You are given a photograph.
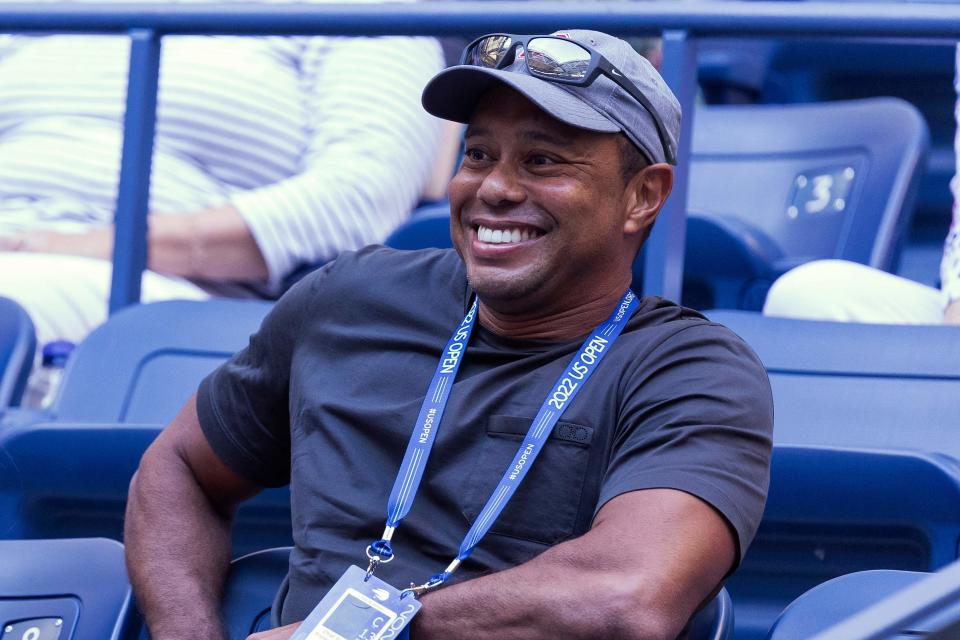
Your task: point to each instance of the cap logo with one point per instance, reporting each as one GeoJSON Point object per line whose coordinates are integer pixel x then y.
{"type": "Point", "coordinates": [562, 34]}
{"type": "Point", "coordinates": [521, 55]}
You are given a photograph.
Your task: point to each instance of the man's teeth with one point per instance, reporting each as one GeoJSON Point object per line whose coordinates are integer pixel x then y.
{"type": "Point", "coordinates": [504, 236]}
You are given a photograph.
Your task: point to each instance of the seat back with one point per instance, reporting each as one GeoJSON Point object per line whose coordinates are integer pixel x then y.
{"type": "Point", "coordinates": [70, 480]}
{"type": "Point", "coordinates": [824, 180]}
{"type": "Point", "coordinates": [814, 70]}
{"type": "Point", "coordinates": [877, 604]}
{"type": "Point", "coordinates": [145, 361]}
{"type": "Point", "coordinates": [429, 226]}
{"type": "Point", "coordinates": [252, 586]}
{"type": "Point", "coordinates": [826, 604]}
{"type": "Point", "coordinates": [18, 344]}
{"type": "Point", "coordinates": [69, 589]}
{"type": "Point", "coordinates": [858, 385]}
{"type": "Point", "coordinates": [865, 422]}
{"type": "Point", "coordinates": [832, 511]}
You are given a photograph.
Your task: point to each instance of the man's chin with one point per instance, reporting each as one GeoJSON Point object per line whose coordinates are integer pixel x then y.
{"type": "Point", "coordinates": [504, 288]}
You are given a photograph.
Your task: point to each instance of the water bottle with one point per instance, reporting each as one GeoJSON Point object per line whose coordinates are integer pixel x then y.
{"type": "Point", "coordinates": [44, 382]}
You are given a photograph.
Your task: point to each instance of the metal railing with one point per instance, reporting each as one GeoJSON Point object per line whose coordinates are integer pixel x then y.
{"type": "Point", "coordinates": [681, 25]}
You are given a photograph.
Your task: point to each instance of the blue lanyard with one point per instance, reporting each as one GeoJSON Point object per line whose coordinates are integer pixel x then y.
{"type": "Point", "coordinates": [567, 386]}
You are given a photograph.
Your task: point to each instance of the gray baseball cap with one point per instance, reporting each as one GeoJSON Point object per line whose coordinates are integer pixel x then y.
{"type": "Point", "coordinates": [601, 106]}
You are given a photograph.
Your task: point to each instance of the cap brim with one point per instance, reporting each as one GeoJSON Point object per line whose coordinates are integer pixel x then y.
{"type": "Point", "coordinates": [453, 94]}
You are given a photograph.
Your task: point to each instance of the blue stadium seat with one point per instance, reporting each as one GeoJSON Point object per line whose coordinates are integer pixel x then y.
{"type": "Point", "coordinates": [921, 73]}
{"type": "Point", "coordinates": [17, 346]}
{"type": "Point", "coordinates": [70, 480]}
{"type": "Point", "coordinates": [865, 470]}
{"type": "Point", "coordinates": [255, 580]}
{"type": "Point", "coordinates": [834, 600]}
{"type": "Point", "coordinates": [773, 186]}
{"type": "Point", "coordinates": [870, 605]}
{"type": "Point", "coordinates": [67, 589]}
{"type": "Point", "coordinates": [145, 361]}
{"type": "Point", "coordinates": [832, 511]}
{"type": "Point", "coordinates": [429, 226]}
{"type": "Point", "coordinates": [252, 586]}
{"type": "Point", "coordinates": [858, 385]}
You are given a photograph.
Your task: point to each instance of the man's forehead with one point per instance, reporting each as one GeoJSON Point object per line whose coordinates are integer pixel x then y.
{"type": "Point", "coordinates": [501, 107]}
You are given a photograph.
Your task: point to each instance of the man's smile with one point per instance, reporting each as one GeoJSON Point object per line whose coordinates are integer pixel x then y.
{"type": "Point", "coordinates": [510, 235]}
{"type": "Point", "coordinates": [490, 238]}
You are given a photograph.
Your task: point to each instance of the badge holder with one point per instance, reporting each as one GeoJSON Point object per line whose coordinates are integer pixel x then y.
{"type": "Point", "coordinates": [359, 606]}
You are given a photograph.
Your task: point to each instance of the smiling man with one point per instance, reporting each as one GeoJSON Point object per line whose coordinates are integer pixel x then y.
{"type": "Point", "coordinates": [585, 463]}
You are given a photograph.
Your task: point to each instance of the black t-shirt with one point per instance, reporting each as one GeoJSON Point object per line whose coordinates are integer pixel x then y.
{"type": "Point", "coordinates": [328, 391]}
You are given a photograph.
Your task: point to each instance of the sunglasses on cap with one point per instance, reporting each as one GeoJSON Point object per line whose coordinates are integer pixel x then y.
{"type": "Point", "coordinates": [561, 60]}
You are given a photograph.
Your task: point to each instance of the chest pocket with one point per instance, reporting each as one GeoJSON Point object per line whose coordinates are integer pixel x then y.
{"type": "Point", "coordinates": [547, 505]}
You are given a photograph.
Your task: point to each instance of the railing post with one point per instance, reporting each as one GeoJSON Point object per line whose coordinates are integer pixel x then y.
{"type": "Point", "coordinates": [663, 261]}
{"type": "Point", "coordinates": [133, 196]}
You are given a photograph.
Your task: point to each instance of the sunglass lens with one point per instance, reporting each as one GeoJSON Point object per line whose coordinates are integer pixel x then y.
{"type": "Point", "coordinates": [488, 51]}
{"type": "Point", "coordinates": [556, 58]}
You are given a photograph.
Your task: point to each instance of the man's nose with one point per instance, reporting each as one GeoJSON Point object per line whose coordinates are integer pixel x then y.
{"type": "Point", "coordinates": [501, 186]}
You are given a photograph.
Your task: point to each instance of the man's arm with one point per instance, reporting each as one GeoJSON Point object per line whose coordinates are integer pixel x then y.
{"type": "Point", "coordinates": [177, 533]}
{"type": "Point", "coordinates": [651, 558]}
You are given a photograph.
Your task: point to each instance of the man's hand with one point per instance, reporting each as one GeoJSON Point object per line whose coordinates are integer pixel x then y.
{"type": "Point", "coordinates": [951, 314]}
{"type": "Point", "coordinates": [281, 633]}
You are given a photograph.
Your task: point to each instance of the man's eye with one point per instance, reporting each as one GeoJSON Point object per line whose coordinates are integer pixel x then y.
{"type": "Point", "coordinates": [541, 160]}
{"type": "Point", "coordinates": [476, 155]}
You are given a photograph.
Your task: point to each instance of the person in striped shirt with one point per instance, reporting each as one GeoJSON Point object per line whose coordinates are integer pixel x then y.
{"type": "Point", "coordinates": [269, 154]}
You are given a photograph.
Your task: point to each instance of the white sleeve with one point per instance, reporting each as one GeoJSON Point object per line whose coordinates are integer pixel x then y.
{"type": "Point", "coordinates": [950, 265]}
{"type": "Point", "coordinates": [370, 152]}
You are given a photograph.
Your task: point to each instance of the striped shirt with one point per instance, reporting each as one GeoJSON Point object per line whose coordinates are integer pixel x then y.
{"type": "Point", "coordinates": [320, 143]}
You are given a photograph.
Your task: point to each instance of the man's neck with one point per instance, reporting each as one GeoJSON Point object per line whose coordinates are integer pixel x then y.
{"type": "Point", "coordinates": [557, 325]}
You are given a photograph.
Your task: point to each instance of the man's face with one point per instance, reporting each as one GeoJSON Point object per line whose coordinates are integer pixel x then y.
{"type": "Point", "coordinates": [538, 208]}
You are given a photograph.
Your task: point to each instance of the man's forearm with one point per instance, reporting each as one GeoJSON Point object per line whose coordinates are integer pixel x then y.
{"type": "Point", "coordinates": [560, 594]}
{"type": "Point", "coordinates": [178, 551]}
{"type": "Point", "coordinates": [650, 559]}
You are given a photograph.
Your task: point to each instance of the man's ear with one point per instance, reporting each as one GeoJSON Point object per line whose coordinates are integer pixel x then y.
{"type": "Point", "coordinates": [645, 194]}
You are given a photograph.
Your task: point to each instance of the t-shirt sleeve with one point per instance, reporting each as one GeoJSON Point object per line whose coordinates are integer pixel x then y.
{"type": "Point", "coordinates": [244, 404]}
{"type": "Point", "coordinates": [698, 417]}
